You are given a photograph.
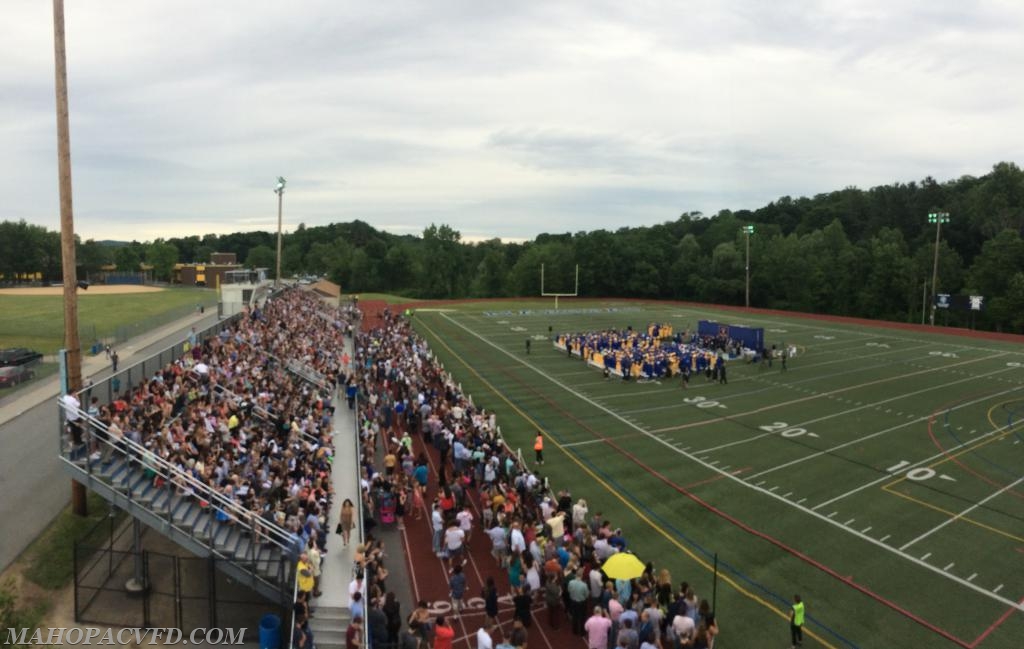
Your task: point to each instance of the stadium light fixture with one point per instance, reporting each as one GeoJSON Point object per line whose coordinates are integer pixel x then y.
{"type": "Point", "coordinates": [279, 190]}
{"type": "Point", "coordinates": [938, 218]}
{"type": "Point", "coordinates": [747, 231]}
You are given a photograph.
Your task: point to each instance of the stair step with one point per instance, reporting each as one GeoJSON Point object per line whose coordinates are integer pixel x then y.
{"type": "Point", "coordinates": [326, 637]}
{"type": "Point", "coordinates": [189, 515]}
{"type": "Point", "coordinates": [162, 500]}
{"type": "Point", "coordinates": [114, 470]}
{"type": "Point", "coordinates": [179, 506]}
{"type": "Point", "coordinates": [202, 527]}
{"type": "Point", "coordinates": [332, 614]}
{"type": "Point", "coordinates": [241, 552]}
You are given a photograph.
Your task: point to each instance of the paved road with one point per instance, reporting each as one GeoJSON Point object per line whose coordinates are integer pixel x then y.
{"type": "Point", "coordinates": [33, 486]}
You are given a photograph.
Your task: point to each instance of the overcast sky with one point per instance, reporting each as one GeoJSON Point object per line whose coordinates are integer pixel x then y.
{"type": "Point", "coordinates": [501, 119]}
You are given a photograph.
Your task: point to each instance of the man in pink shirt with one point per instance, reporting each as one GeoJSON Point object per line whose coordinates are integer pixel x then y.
{"type": "Point", "coordinates": [597, 628]}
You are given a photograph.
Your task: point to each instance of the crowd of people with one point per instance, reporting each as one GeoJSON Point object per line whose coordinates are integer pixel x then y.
{"type": "Point", "coordinates": [430, 452]}
{"type": "Point", "coordinates": [651, 354]}
{"type": "Point", "coordinates": [245, 414]}
{"type": "Point", "coordinates": [235, 415]}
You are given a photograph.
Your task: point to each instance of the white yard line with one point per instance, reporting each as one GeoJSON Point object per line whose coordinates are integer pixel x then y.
{"type": "Point", "coordinates": [821, 395]}
{"type": "Point", "coordinates": [827, 451]}
{"type": "Point", "coordinates": [589, 441]}
{"type": "Point", "coordinates": [922, 564]}
{"type": "Point", "coordinates": [962, 514]}
{"type": "Point", "coordinates": [931, 458]}
{"type": "Point", "coordinates": [848, 411]}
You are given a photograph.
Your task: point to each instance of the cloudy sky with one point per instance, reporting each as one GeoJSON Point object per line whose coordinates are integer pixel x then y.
{"type": "Point", "coordinates": [500, 119]}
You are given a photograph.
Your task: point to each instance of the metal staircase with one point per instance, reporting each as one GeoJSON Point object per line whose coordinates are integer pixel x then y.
{"type": "Point", "coordinates": [252, 550]}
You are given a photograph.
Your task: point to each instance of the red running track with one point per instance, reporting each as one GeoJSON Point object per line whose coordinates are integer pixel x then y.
{"type": "Point", "coordinates": [429, 577]}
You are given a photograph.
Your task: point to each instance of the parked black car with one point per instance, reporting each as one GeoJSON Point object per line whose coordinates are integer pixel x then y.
{"type": "Point", "coordinates": [18, 356]}
{"type": "Point", "coordinates": [14, 374]}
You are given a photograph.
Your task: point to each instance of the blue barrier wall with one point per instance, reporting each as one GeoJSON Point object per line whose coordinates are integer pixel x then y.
{"type": "Point", "coordinates": [751, 337]}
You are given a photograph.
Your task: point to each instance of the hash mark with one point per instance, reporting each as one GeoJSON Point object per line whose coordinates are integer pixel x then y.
{"type": "Point", "coordinates": [925, 557]}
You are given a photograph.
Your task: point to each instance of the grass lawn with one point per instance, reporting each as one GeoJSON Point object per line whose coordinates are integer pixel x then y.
{"type": "Point", "coordinates": [881, 477]}
{"type": "Point", "coordinates": [37, 322]}
{"type": "Point", "coordinates": [51, 556]}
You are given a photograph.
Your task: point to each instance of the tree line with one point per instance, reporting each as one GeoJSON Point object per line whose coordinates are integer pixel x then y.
{"type": "Point", "coordinates": [866, 253]}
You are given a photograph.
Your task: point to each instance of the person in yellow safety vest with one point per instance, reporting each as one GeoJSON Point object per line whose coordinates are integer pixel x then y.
{"type": "Point", "coordinates": [538, 448]}
{"type": "Point", "coordinates": [796, 622]}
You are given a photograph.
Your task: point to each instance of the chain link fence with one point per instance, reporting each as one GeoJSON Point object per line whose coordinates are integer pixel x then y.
{"type": "Point", "coordinates": [158, 585]}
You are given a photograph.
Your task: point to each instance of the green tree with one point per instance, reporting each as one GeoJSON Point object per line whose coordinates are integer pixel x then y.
{"type": "Point", "coordinates": [1001, 258]}
{"type": "Point", "coordinates": [262, 257]}
{"type": "Point", "coordinates": [888, 289]}
{"type": "Point", "coordinates": [398, 269]}
{"type": "Point", "coordinates": [162, 256]}
{"type": "Point", "coordinates": [91, 256]}
{"type": "Point", "coordinates": [441, 262]}
{"type": "Point", "coordinates": [492, 270]}
{"type": "Point", "coordinates": [127, 258]}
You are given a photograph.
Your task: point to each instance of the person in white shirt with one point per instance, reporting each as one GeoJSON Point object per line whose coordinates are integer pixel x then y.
{"type": "Point", "coordinates": [437, 523]}
{"type": "Point", "coordinates": [483, 639]}
{"type": "Point", "coordinates": [499, 546]}
{"type": "Point", "coordinates": [454, 538]}
{"type": "Point", "coordinates": [517, 542]}
{"type": "Point", "coordinates": [73, 417]}
{"type": "Point", "coordinates": [596, 583]}
{"type": "Point", "coordinates": [465, 519]}
{"type": "Point", "coordinates": [684, 628]}
{"type": "Point", "coordinates": [355, 586]}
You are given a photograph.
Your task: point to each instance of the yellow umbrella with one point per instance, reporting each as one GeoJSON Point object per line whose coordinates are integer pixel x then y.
{"type": "Point", "coordinates": [623, 565]}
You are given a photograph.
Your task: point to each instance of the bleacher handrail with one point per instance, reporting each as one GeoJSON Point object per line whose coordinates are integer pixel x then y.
{"type": "Point", "coordinates": [263, 413]}
{"type": "Point", "coordinates": [280, 537]}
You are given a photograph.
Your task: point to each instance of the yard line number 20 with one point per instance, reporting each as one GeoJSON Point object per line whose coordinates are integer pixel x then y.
{"type": "Point", "coordinates": [784, 429]}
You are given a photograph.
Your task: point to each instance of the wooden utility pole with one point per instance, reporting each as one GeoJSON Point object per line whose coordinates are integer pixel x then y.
{"type": "Point", "coordinates": [67, 229]}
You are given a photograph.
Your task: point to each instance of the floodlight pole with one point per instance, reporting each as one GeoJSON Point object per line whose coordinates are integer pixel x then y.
{"type": "Point", "coordinates": [72, 345]}
{"type": "Point", "coordinates": [924, 300]}
{"type": "Point", "coordinates": [748, 230]}
{"type": "Point", "coordinates": [938, 218]}
{"type": "Point", "coordinates": [279, 190]}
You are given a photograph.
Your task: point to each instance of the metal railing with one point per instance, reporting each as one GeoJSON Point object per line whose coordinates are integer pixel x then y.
{"type": "Point", "coordinates": [174, 478]}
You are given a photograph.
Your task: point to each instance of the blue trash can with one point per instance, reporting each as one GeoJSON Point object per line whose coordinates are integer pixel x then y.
{"type": "Point", "coordinates": [270, 632]}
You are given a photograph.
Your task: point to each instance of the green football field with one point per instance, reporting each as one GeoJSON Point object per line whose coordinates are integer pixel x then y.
{"type": "Point", "coordinates": [881, 476]}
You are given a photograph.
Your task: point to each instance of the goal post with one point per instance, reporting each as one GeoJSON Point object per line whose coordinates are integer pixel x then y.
{"type": "Point", "coordinates": [545, 293]}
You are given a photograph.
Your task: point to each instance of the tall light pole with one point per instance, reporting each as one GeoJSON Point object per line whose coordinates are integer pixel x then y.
{"type": "Point", "coordinates": [938, 218]}
{"type": "Point", "coordinates": [279, 190]}
{"type": "Point", "coordinates": [72, 346]}
{"type": "Point", "coordinates": [748, 230]}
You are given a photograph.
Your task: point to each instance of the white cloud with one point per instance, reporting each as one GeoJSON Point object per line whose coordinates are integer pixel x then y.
{"type": "Point", "coordinates": [500, 120]}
